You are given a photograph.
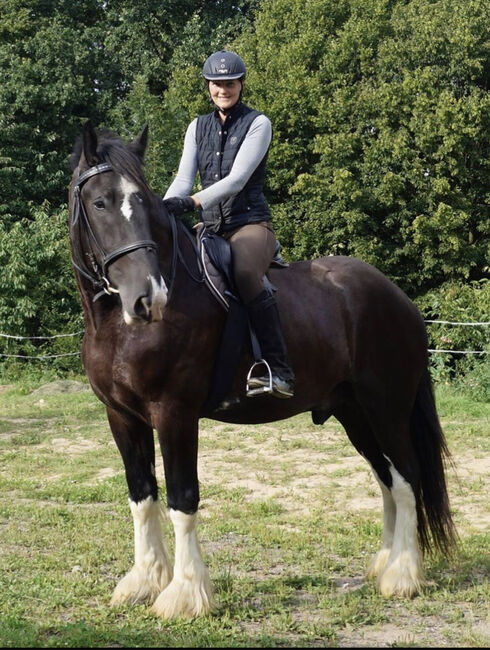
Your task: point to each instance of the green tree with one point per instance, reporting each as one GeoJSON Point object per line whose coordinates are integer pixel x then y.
{"type": "Point", "coordinates": [54, 74]}
{"type": "Point", "coordinates": [380, 111]}
{"type": "Point", "coordinates": [381, 116]}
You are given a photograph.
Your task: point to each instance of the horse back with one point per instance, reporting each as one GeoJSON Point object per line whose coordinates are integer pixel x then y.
{"type": "Point", "coordinates": [349, 316]}
{"type": "Point", "coordinates": [351, 292]}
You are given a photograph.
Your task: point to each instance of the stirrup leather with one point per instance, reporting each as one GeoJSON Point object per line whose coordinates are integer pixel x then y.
{"type": "Point", "coordinates": [251, 392]}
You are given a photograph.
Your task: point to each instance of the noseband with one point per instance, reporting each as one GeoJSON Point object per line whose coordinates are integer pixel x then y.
{"type": "Point", "coordinates": [93, 269]}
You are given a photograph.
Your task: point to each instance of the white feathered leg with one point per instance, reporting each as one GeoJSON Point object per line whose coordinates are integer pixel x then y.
{"type": "Point", "coordinates": [152, 570]}
{"type": "Point", "coordinates": [402, 575]}
{"type": "Point", "coordinates": [189, 594]}
{"type": "Point", "coordinates": [379, 560]}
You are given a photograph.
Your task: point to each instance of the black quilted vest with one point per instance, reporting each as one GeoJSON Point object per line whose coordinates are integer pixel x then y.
{"type": "Point", "coordinates": [217, 146]}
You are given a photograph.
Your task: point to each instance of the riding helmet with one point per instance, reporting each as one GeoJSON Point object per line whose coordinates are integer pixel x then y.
{"type": "Point", "coordinates": [224, 65]}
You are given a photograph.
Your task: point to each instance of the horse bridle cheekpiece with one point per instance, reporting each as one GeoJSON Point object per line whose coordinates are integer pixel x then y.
{"type": "Point", "coordinates": [93, 269]}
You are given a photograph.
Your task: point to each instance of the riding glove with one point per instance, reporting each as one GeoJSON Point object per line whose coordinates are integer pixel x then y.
{"type": "Point", "coordinates": [178, 205]}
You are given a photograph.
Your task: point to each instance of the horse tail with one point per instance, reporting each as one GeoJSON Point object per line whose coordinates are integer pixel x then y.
{"type": "Point", "coordinates": [433, 512]}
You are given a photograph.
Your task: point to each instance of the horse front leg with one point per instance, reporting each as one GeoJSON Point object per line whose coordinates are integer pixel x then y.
{"type": "Point", "coordinates": [151, 571]}
{"type": "Point", "coordinates": [189, 594]}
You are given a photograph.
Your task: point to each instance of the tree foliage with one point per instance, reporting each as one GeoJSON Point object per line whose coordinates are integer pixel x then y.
{"type": "Point", "coordinates": [38, 294]}
{"type": "Point", "coordinates": [63, 62]}
{"type": "Point", "coordinates": [381, 114]}
{"type": "Point", "coordinates": [54, 73]}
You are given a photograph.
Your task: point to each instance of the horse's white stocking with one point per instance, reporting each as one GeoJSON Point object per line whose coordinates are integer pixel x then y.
{"type": "Point", "coordinates": [189, 594]}
{"type": "Point", "coordinates": [402, 574]}
{"type": "Point", "coordinates": [152, 570]}
{"type": "Point", "coordinates": [379, 561]}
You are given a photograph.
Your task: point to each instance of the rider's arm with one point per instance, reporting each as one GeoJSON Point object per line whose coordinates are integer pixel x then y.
{"type": "Point", "coordinates": [184, 180]}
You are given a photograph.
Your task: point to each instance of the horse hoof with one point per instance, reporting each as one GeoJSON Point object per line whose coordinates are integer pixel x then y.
{"type": "Point", "coordinates": [402, 580]}
{"type": "Point", "coordinates": [378, 563]}
{"type": "Point", "coordinates": [185, 598]}
{"type": "Point", "coordinates": [137, 587]}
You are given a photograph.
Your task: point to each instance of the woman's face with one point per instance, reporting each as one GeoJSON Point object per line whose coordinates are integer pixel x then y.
{"type": "Point", "coordinates": [225, 94]}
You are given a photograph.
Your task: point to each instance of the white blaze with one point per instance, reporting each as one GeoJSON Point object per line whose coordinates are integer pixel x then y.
{"type": "Point", "coordinates": [127, 188]}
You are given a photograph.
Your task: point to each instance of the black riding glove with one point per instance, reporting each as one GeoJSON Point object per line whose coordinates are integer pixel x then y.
{"type": "Point", "coordinates": [177, 205]}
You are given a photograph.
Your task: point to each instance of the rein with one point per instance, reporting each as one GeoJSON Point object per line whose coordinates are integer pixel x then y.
{"type": "Point", "coordinates": [97, 272]}
{"type": "Point", "coordinates": [177, 254]}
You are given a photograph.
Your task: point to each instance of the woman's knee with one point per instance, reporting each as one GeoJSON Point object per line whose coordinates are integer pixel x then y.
{"type": "Point", "coordinates": [248, 282]}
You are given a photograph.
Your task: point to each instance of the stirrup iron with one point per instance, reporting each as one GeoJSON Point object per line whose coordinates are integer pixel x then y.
{"type": "Point", "coordinates": [251, 392]}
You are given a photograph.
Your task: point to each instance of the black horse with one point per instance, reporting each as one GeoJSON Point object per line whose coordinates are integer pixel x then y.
{"type": "Point", "coordinates": [152, 329]}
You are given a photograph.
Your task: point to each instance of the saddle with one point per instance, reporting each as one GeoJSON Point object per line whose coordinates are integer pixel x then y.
{"type": "Point", "coordinates": [216, 257]}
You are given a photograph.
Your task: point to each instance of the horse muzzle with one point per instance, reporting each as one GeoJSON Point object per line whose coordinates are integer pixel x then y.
{"type": "Point", "coordinates": [146, 305]}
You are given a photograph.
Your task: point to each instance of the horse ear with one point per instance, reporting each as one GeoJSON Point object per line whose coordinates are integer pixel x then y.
{"type": "Point", "coordinates": [140, 143]}
{"type": "Point", "coordinates": [89, 150]}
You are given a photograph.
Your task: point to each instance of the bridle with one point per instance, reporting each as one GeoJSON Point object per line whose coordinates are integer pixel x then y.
{"type": "Point", "coordinates": [93, 269]}
{"type": "Point", "coordinates": [96, 271]}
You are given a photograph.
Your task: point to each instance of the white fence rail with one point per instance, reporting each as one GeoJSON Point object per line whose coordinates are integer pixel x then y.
{"type": "Point", "coordinates": [73, 354]}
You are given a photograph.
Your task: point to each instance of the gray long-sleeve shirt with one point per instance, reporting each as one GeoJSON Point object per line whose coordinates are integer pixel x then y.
{"type": "Point", "coordinates": [253, 149]}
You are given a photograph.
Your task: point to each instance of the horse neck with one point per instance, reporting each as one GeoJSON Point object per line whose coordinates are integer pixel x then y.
{"type": "Point", "coordinates": [175, 247]}
{"type": "Point", "coordinates": [161, 233]}
{"type": "Point", "coordinates": [94, 313]}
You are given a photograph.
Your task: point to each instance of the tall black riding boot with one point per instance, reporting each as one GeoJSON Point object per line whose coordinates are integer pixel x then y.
{"type": "Point", "coordinates": [264, 318]}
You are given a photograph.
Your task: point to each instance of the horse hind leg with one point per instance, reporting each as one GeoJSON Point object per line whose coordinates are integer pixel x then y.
{"type": "Point", "coordinates": [151, 571]}
{"type": "Point", "coordinates": [399, 572]}
{"type": "Point", "coordinates": [402, 574]}
{"type": "Point", "coordinates": [397, 565]}
{"type": "Point", "coordinates": [416, 464]}
{"type": "Point", "coordinates": [380, 559]}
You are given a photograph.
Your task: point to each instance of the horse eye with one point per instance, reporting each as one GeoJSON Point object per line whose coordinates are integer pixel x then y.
{"type": "Point", "coordinates": [99, 204]}
{"type": "Point", "coordinates": [138, 196]}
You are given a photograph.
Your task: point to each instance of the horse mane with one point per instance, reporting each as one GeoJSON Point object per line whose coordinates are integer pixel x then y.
{"type": "Point", "coordinates": [112, 149]}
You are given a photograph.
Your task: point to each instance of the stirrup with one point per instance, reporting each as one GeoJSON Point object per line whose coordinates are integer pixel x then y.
{"type": "Point", "coordinates": [251, 392]}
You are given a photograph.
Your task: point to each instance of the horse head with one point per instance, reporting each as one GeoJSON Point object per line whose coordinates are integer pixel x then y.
{"type": "Point", "coordinates": [110, 229]}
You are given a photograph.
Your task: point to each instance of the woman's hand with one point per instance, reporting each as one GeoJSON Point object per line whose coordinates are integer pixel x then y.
{"type": "Point", "coordinates": [179, 205]}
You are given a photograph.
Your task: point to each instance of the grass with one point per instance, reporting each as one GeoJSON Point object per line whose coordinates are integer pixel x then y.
{"type": "Point", "coordinates": [289, 517]}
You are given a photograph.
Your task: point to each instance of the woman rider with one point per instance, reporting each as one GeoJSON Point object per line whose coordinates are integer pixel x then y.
{"type": "Point", "coordinates": [229, 148]}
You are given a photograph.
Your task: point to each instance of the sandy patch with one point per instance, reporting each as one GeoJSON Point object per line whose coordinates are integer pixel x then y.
{"type": "Point", "coordinates": [81, 446]}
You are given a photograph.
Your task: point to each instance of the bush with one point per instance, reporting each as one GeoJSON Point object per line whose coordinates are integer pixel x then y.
{"type": "Point", "coordinates": [460, 303]}
{"type": "Point", "coordinates": [38, 294]}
